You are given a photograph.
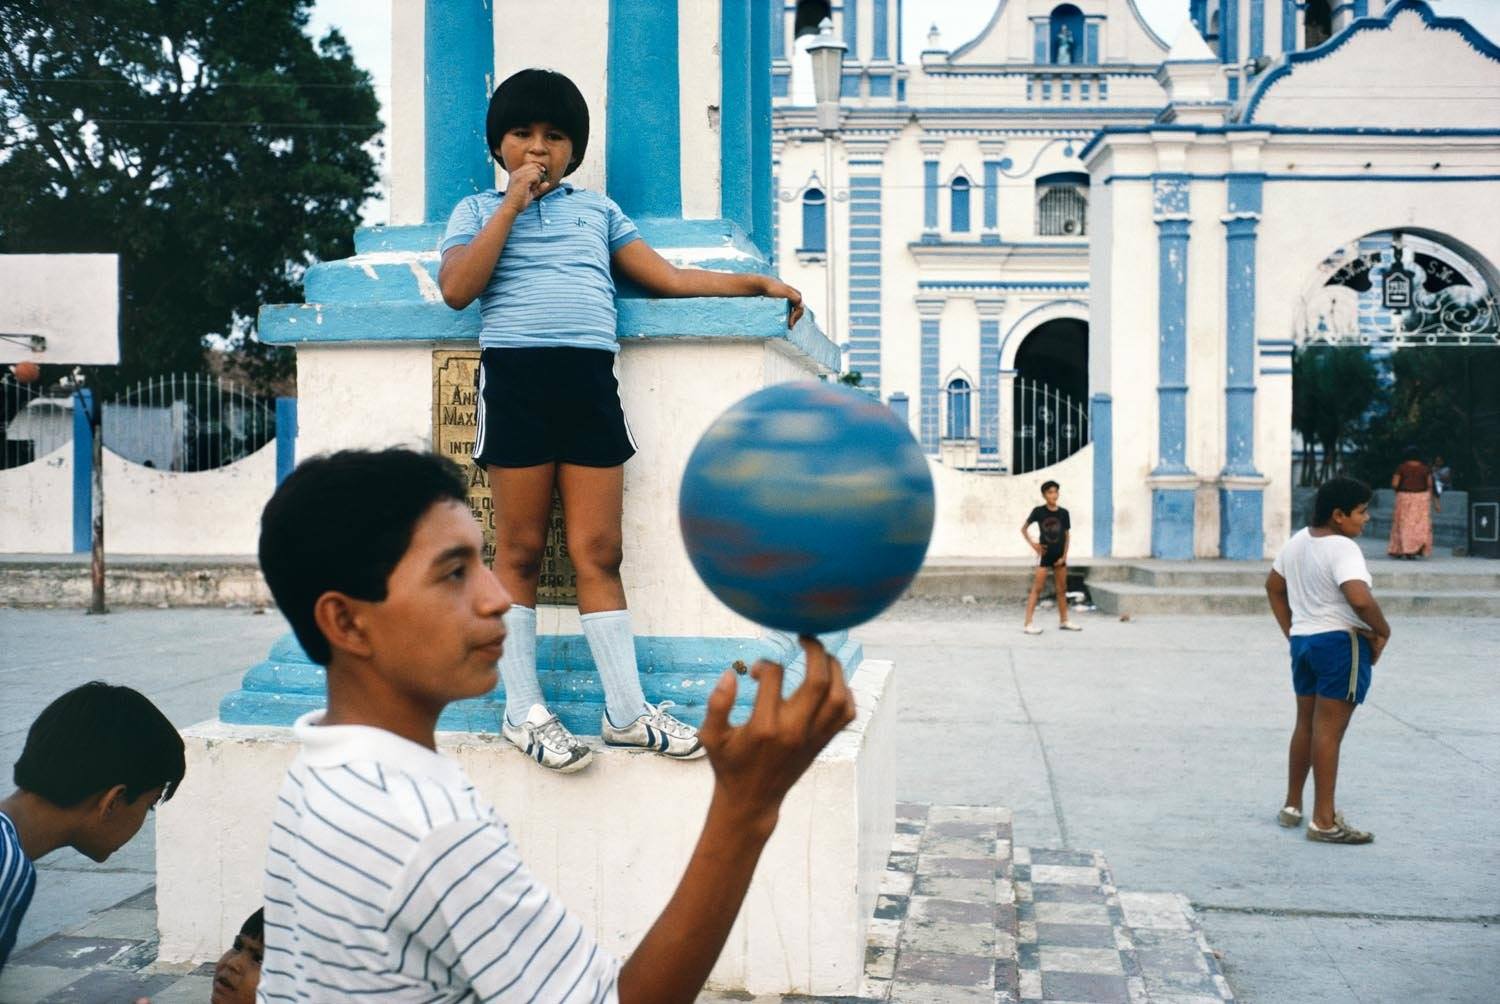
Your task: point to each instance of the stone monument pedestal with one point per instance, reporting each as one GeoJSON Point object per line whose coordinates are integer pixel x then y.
{"type": "Point", "coordinates": [611, 841]}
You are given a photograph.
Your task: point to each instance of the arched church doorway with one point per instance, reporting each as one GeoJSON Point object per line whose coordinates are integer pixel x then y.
{"type": "Point", "coordinates": [1396, 347]}
{"type": "Point", "coordinates": [1050, 394]}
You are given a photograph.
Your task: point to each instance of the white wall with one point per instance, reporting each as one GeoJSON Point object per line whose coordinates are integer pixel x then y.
{"type": "Point", "coordinates": [150, 511]}
{"type": "Point", "coordinates": [978, 515]}
{"type": "Point", "coordinates": [37, 502]}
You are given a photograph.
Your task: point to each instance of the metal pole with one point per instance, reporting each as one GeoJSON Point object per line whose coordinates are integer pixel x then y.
{"type": "Point", "coordinates": [832, 263]}
{"type": "Point", "coordinates": [96, 550]}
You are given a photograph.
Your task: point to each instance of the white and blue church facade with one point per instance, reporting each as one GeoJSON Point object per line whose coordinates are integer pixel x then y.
{"type": "Point", "coordinates": [1068, 219]}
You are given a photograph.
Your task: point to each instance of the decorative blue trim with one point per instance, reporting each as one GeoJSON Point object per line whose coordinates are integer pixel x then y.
{"type": "Point", "coordinates": [991, 194]}
{"type": "Point", "coordinates": [1257, 28]}
{"type": "Point", "coordinates": [1102, 432]}
{"type": "Point", "coordinates": [83, 467]}
{"type": "Point", "coordinates": [734, 118]}
{"type": "Point", "coordinates": [1361, 8]}
{"type": "Point", "coordinates": [459, 57]}
{"type": "Point", "coordinates": [1423, 179]}
{"type": "Point", "coordinates": [1229, 36]}
{"type": "Point", "coordinates": [1001, 284]}
{"type": "Point", "coordinates": [1466, 31]}
{"type": "Point", "coordinates": [287, 684]}
{"type": "Point", "coordinates": [643, 154]}
{"type": "Point", "coordinates": [762, 189]}
{"type": "Point", "coordinates": [1244, 191]}
{"type": "Point", "coordinates": [929, 374]}
{"type": "Point", "coordinates": [882, 31]}
{"type": "Point", "coordinates": [930, 195]}
{"type": "Point", "coordinates": [1198, 14]}
{"type": "Point", "coordinates": [1172, 523]}
{"type": "Point", "coordinates": [1241, 524]}
{"type": "Point", "coordinates": [1289, 10]}
{"type": "Point", "coordinates": [1107, 131]}
{"type": "Point", "coordinates": [1239, 386]}
{"type": "Point", "coordinates": [776, 14]}
{"type": "Point", "coordinates": [286, 437]}
{"type": "Point", "coordinates": [989, 386]}
{"type": "Point", "coordinates": [851, 29]}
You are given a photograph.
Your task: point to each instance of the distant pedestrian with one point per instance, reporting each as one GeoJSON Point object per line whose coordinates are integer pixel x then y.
{"type": "Point", "coordinates": [1411, 520]}
{"type": "Point", "coordinates": [1442, 478]}
{"type": "Point", "coordinates": [96, 760]}
{"type": "Point", "coordinates": [1319, 590]}
{"type": "Point", "coordinates": [1054, 534]}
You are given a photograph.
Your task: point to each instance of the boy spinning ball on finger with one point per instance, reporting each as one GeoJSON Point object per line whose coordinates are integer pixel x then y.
{"type": "Point", "coordinates": [388, 876]}
{"type": "Point", "coordinates": [539, 258]}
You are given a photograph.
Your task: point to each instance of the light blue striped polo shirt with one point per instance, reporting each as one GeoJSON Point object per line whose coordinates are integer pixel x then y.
{"type": "Point", "coordinates": [389, 878]}
{"type": "Point", "coordinates": [17, 882]}
{"type": "Point", "coordinates": [552, 285]}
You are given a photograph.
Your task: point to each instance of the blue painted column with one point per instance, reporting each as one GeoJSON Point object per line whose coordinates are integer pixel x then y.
{"type": "Point", "coordinates": [989, 377]}
{"type": "Point", "coordinates": [459, 60]}
{"type": "Point", "coordinates": [882, 31]}
{"type": "Point", "coordinates": [1241, 486]}
{"type": "Point", "coordinates": [286, 437]}
{"type": "Point", "coordinates": [1257, 28]}
{"type": "Point", "coordinates": [1229, 41]}
{"type": "Point", "coordinates": [777, 15]}
{"type": "Point", "coordinates": [643, 155]}
{"type": "Point", "coordinates": [1198, 12]}
{"type": "Point", "coordinates": [1361, 8]}
{"type": "Point", "coordinates": [1173, 483]}
{"type": "Point", "coordinates": [930, 311]}
{"type": "Point", "coordinates": [929, 199]}
{"type": "Point", "coordinates": [1102, 432]}
{"type": "Point", "coordinates": [865, 267]}
{"type": "Point", "coordinates": [83, 467]}
{"type": "Point", "coordinates": [1289, 41]}
{"type": "Point", "coordinates": [851, 30]}
{"type": "Point", "coordinates": [735, 199]}
{"type": "Point", "coordinates": [762, 185]}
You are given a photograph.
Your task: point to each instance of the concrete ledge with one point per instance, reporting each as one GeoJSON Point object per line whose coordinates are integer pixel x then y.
{"type": "Point", "coordinates": [611, 841]}
{"type": "Point", "coordinates": [62, 580]}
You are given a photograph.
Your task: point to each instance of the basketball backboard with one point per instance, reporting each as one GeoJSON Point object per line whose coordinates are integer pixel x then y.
{"type": "Point", "coordinates": [60, 308]}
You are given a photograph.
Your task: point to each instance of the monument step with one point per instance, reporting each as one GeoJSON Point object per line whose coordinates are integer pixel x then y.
{"type": "Point", "coordinates": [1443, 576]}
{"type": "Point", "coordinates": [963, 915]}
{"type": "Point", "coordinates": [1134, 599]}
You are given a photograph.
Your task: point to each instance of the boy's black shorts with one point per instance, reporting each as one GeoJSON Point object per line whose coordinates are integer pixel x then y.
{"type": "Point", "coordinates": [1051, 556]}
{"type": "Point", "coordinates": [537, 406]}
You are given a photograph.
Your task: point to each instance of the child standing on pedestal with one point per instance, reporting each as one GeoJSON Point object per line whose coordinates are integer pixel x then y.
{"type": "Point", "coordinates": [538, 257]}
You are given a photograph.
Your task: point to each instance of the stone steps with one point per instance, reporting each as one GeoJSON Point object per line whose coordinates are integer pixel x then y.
{"type": "Point", "coordinates": [1133, 599]}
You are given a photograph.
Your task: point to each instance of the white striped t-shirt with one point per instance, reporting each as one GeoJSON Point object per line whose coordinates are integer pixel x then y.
{"type": "Point", "coordinates": [552, 285]}
{"type": "Point", "coordinates": [17, 882]}
{"type": "Point", "coordinates": [389, 877]}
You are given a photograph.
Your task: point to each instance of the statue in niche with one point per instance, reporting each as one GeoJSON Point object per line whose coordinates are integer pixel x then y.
{"type": "Point", "coordinates": [1064, 45]}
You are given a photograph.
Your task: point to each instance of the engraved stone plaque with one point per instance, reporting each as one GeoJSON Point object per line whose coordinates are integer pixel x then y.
{"type": "Point", "coordinates": [454, 383]}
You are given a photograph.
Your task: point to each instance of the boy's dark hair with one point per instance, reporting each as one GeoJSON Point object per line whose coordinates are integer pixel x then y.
{"type": "Point", "coordinates": [95, 737]}
{"type": "Point", "coordinates": [1344, 494]}
{"type": "Point", "coordinates": [1050, 484]}
{"type": "Point", "coordinates": [255, 925]}
{"type": "Point", "coordinates": [538, 95]}
{"type": "Point", "coordinates": [341, 523]}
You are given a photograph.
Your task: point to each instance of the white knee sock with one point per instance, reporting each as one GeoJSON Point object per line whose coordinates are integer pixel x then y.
{"type": "Point", "coordinates": [613, 646]}
{"type": "Point", "coordinates": [518, 664]}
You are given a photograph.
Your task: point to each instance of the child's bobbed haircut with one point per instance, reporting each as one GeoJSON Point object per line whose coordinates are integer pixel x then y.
{"type": "Point", "coordinates": [95, 737]}
{"type": "Point", "coordinates": [341, 523]}
{"type": "Point", "coordinates": [538, 95]}
{"type": "Point", "coordinates": [1050, 484]}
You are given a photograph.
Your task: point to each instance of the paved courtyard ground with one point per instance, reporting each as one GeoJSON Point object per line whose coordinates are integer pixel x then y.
{"type": "Point", "coordinates": [1159, 742]}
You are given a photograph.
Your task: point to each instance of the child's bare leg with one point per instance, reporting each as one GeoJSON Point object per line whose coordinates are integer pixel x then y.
{"type": "Point", "coordinates": [593, 504]}
{"type": "Point", "coordinates": [1299, 755]}
{"type": "Point", "coordinates": [1330, 719]}
{"type": "Point", "coordinates": [1060, 577]}
{"type": "Point", "coordinates": [1036, 592]}
{"type": "Point", "coordinates": [522, 500]}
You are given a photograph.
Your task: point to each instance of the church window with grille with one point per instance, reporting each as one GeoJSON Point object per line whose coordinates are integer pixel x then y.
{"type": "Point", "coordinates": [1062, 204]}
{"type": "Point", "coordinates": [958, 408]}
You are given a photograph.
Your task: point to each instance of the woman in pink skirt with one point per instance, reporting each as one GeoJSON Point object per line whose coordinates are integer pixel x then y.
{"type": "Point", "coordinates": [1411, 523]}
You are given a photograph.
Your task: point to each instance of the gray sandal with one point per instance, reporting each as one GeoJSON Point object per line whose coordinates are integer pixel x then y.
{"type": "Point", "coordinates": [1340, 833]}
{"type": "Point", "coordinates": [1289, 817]}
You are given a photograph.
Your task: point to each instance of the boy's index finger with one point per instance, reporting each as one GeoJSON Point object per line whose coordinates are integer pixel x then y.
{"type": "Point", "coordinates": [767, 710]}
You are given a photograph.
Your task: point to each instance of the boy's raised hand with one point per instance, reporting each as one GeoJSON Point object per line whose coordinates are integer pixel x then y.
{"type": "Point", "coordinates": [523, 187]}
{"type": "Point", "coordinates": [757, 763]}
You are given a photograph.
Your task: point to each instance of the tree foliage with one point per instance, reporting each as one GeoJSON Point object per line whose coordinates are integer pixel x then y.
{"type": "Point", "coordinates": [1333, 392]}
{"type": "Point", "coordinates": [211, 144]}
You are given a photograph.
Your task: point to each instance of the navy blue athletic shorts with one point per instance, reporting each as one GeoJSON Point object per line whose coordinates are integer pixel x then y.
{"type": "Point", "coordinates": [546, 405]}
{"type": "Point", "coordinates": [1331, 664]}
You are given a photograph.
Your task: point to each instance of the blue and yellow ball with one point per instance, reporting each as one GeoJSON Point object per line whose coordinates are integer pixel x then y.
{"type": "Point", "coordinates": [807, 507]}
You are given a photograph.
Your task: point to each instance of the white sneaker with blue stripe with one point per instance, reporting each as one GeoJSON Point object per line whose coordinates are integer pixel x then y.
{"type": "Point", "coordinates": [547, 741]}
{"type": "Point", "coordinates": [658, 731]}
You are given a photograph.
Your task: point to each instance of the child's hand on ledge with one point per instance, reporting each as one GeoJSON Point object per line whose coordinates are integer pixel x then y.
{"type": "Point", "coordinates": [777, 288]}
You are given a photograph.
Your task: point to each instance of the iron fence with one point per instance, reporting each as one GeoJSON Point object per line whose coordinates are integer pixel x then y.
{"type": "Point", "coordinates": [187, 422]}
{"type": "Point", "coordinates": [1049, 426]}
{"type": "Point", "coordinates": [32, 424]}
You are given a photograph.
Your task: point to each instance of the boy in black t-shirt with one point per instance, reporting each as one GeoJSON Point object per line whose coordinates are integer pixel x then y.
{"type": "Point", "coordinates": [1054, 532]}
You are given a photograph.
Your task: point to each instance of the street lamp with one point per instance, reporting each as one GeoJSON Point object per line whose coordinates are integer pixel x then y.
{"type": "Point", "coordinates": [827, 55]}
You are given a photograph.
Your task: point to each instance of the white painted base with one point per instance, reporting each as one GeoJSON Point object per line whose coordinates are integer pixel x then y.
{"type": "Point", "coordinates": [611, 841]}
